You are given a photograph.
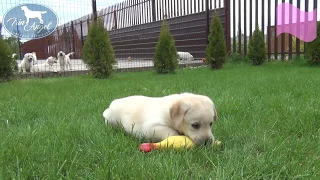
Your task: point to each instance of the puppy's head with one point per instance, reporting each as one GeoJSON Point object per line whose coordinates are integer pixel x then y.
{"type": "Point", "coordinates": [51, 60]}
{"type": "Point", "coordinates": [34, 55]}
{"type": "Point", "coordinates": [29, 57]}
{"type": "Point", "coordinates": [61, 54]}
{"type": "Point", "coordinates": [193, 116]}
{"type": "Point", "coordinates": [35, 59]}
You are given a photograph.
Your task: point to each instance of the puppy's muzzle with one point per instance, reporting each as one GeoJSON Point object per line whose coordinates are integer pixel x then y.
{"type": "Point", "coordinates": [30, 60]}
{"type": "Point", "coordinates": [208, 141]}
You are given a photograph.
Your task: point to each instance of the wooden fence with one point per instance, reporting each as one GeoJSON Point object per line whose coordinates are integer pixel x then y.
{"type": "Point", "coordinates": [134, 26]}
{"type": "Point", "coordinates": [246, 14]}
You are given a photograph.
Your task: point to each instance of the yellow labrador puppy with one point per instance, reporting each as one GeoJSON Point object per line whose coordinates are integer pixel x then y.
{"type": "Point", "coordinates": [156, 118]}
{"type": "Point", "coordinates": [47, 66]}
{"type": "Point", "coordinates": [64, 60]}
{"type": "Point", "coordinates": [28, 62]}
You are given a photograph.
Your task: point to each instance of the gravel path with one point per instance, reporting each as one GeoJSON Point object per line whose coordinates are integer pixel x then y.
{"type": "Point", "coordinates": [78, 65]}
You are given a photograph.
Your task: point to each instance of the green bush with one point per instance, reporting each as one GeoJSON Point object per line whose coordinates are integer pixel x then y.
{"type": "Point", "coordinates": [238, 58]}
{"type": "Point", "coordinates": [98, 52]}
{"type": "Point", "coordinates": [257, 51]}
{"type": "Point", "coordinates": [7, 63]}
{"type": "Point", "coordinates": [13, 45]}
{"type": "Point", "coordinates": [313, 49]}
{"type": "Point", "coordinates": [165, 57]}
{"type": "Point", "coordinates": [216, 51]}
{"type": "Point", "coordinates": [237, 46]}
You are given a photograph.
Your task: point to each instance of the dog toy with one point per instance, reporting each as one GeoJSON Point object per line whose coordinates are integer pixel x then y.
{"type": "Point", "coordinates": [217, 144]}
{"type": "Point", "coordinates": [172, 142]}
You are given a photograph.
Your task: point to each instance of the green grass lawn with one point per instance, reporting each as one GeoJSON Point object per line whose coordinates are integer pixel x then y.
{"type": "Point", "coordinates": [269, 121]}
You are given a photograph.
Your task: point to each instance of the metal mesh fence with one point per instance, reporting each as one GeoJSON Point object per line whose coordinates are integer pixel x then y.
{"type": "Point", "coordinates": [133, 25]}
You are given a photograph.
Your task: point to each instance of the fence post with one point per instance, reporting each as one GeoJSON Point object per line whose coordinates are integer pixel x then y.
{"type": "Point", "coordinates": [297, 39]}
{"type": "Point", "coordinates": [58, 41]}
{"type": "Point", "coordinates": [18, 38]}
{"type": "Point", "coordinates": [290, 36]}
{"type": "Point", "coordinates": [81, 34]}
{"type": "Point", "coordinates": [282, 49]}
{"type": "Point", "coordinates": [153, 4]}
{"type": "Point", "coordinates": [19, 46]}
{"type": "Point", "coordinates": [269, 30]}
{"type": "Point", "coordinates": [207, 21]}
{"type": "Point", "coordinates": [227, 25]}
{"type": "Point", "coordinates": [115, 19]}
{"type": "Point", "coordinates": [64, 41]}
{"type": "Point", "coordinates": [239, 27]}
{"type": "Point", "coordinates": [306, 20]}
{"type": "Point", "coordinates": [73, 38]}
{"type": "Point", "coordinates": [94, 9]}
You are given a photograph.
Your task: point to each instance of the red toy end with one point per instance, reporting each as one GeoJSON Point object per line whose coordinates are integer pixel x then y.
{"type": "Point", "coordinates": [145, 147]}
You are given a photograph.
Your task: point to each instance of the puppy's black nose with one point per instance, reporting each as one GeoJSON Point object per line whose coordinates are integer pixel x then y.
{"type": "Point", "coordinates": [208, 141]}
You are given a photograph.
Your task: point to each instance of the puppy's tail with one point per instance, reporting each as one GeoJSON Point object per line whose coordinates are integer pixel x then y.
{"type": "Point", "coordinates": [107, 117]}
{"type": "Point", "coordinates": [106, 113]}
{"type": "Point", "coordinates": [70, 54]}
{"type": "Point", "coordinates": [14, 55]}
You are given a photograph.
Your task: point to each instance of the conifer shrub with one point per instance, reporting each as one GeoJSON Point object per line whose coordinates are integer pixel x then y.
{"type": "Point", "coordinates": [313, 49]}
{"type": "Point", "coordinates": [257, 51]}
{"type": "Point", "coordinates": [165, 56]}
{"type": "Point", "coordinates": [8, 65]}
{"type": "Point", "coordinates": [98, 52]}
{"type": "Point", "coordinates": [216, 51]}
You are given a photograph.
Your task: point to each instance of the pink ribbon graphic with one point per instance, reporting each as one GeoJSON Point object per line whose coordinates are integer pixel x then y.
{"type": "Point", "coordinates": [296, 22]}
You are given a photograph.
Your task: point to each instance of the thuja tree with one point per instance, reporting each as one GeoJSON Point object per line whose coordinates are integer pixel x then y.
{"type": "Point", "coordinates": [313, 49]}
{"type": "Point", "coordinates": [165, 56]}
{"type": "Point", "coordinates": [216, 51]}
{"type": "Point", "coordinates": [257, 51]}
{"type": "Point", "coordinates": [7, 63]}
{"type": "Point", "coordinates": [98, 52]}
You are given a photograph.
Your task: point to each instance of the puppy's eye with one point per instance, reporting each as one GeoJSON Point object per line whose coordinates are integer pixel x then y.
{"type": "Point", "coordinates": [196, 125]}
{"type": "Point", "coordinates": [211, 124]}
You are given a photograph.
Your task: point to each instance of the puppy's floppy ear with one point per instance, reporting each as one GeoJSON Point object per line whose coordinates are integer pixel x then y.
{"type": "Point", "coordinates": [215, 118]}
{"type": "Point", "coordinates": [177, 112]}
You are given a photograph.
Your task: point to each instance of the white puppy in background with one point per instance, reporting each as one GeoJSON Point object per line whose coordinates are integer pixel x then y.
{"type": "Point", "coordinates": [35, 61]}
{"type": "Point", "coordinates": [156, 118]}
{"type": "Point", "coordinates": [27, 63]}
{"type": "Point", "coordinates": [64, 60]}
{"type": "Point", "coordinates": [47, 66]}
{"type": "Point", "coordinates": [185, 57]}
{"type": "Point", "coordinates": [14, 56]}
